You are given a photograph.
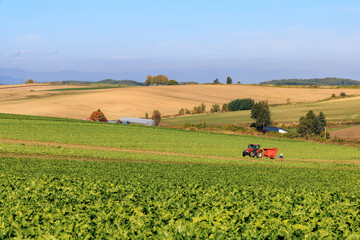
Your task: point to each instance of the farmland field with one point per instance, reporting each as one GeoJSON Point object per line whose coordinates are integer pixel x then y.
{"type": "Point", "coordinates": [136, 101]}
{"type": "Point", "coordinates": [64, 178]}
{"type": "Point", "coordinates": [335, 110]}
{"type": "Point", "coordinates": [348, 132]}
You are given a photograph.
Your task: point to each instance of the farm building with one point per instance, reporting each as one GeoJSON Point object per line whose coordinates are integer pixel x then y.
{"type": "Point", "coordinates": [142, 121]}
{"type": "Point", "coordinates": [274, 129]}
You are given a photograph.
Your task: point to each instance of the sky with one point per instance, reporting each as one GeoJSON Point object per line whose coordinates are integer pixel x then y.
{"type": "Point", "coordinates": [320, 38]}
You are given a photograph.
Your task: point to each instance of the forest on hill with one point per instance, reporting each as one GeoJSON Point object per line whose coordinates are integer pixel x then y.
{"type": "Point", "coordinates": [314, 81]}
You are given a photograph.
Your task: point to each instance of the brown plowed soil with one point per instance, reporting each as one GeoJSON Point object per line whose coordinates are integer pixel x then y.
{"type": "Point", "coordinates": [347, 133]}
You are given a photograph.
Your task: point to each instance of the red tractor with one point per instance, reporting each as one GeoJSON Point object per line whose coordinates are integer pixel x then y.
{"type": "Point", "coordinates": [253, 150]}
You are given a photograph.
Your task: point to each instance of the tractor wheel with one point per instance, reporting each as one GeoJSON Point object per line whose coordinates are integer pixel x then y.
{"type": "Point", "coordinates": [252, 154]}
{"type": "Point", "coordinates": [259, 154]}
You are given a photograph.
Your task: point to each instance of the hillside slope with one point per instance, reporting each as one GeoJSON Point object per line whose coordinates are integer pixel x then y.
{"type": "Point", "coordinates": [136, 101]}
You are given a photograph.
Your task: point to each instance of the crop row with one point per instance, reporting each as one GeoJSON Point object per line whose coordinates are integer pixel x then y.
{"type": "Point", "coordinates": [73, 199]}
{"type": "Point", "coordinates": [87, 153]}
{"type": "Point", "coordinates": [168, 140]}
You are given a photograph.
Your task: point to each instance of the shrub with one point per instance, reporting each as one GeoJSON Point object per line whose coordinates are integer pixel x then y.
{"type": "Point", "coordinates": [241, 104]}
{"type": "Point", "coordinates": [182, 111]}
{"type": "Point", "coordinates": [343, 94]}
{"type": "Point", "coordinates": [225, 107]}
{"type": "Point", "coordinates": [202, 107]}
{"type": "Point", "coordinates": [215, 108]}
{"type": "Point", "coordinates": [333, 95]}
{"type": "Point", "coordinates": [98, 116]}
{"type": "Point", "coordinates": [233, 127]}
{"type": "Point", "coordinates": [29, 81]}
{"type": "Point", "coordinates": [156, 117]}
{"type": "Point", "coordinates": [172, 82]}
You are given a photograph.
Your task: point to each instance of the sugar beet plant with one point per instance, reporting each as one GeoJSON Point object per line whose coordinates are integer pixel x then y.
{"type": "Point", "coordinates": [87, 200]}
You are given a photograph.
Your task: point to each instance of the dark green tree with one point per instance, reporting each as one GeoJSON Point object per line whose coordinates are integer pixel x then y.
{"type": "Point", "coordinates": [316, 126]}
{"type": "Point", "coordinates": [216, 81]}
{"type": "Point", "coordinates": [228, 80]}
{"type": "Point", "coordinates": [305, 126]}
{"type": "Point", "coordinates": [172, 82]}
{"type": "Point", "coordinates": [241, 104]}
{"type": "Point", "coordinates": [311, 115]}
{"type": "Point", "coordinates": [322, 120]}
{"type": "Point", "coordinates": [261, 113]}
{"type": "Point", "coordinates": [215, 108]}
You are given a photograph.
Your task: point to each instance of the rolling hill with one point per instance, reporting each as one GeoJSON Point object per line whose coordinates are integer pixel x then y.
{"type": "Point", "coordinates": [136, 101]}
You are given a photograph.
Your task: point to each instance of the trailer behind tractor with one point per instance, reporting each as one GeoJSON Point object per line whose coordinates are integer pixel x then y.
{"type": "Point", "coordinates": [255, 150]}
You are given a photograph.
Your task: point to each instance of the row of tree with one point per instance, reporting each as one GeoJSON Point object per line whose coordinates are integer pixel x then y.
{"type": "Point", "coordinates": [228, 81]}
{"type": "Point", "coordinates": [312, 124]}
{"type": "Point", "coordinates": [314, 81]}
{"type": "Point", "coordinates": [159, 80]}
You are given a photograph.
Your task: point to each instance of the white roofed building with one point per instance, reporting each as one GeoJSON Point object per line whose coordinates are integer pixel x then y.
{"type": "Point", "coordinates": [142, 121]}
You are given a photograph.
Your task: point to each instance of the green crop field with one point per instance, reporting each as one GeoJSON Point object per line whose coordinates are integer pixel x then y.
{"type": "Point", "coordinates": [63, 178]}
{"type": "Point", "coordinates": [335, 110]}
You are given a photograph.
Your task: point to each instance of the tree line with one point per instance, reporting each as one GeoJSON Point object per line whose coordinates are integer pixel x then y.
{"type": "Point", "coordinates": [159, 80]}
{"type": "Point", "coordinates": [314, 81]}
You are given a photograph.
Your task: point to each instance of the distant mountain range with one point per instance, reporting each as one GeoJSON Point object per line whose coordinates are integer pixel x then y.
{"type": "Point", "coordinates": [18, 76]}
{"type": "Point", "coordinates": [315, 81]}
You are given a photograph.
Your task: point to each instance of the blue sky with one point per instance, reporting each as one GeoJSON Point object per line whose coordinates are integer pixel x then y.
{"type": "Point", "coordinates": [319, 37]}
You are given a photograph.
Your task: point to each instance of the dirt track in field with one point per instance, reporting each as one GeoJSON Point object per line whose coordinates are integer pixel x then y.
{"type": "Point", "coordinates": [136, 101]}
{"type": "Point", "coordinates": [231, 160]}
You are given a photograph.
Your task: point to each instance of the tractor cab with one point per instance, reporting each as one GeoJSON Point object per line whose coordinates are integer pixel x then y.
{"type": "Point", "coordinates": [254, 147]}
{"type": "Point", "coordinates": [253, 150]}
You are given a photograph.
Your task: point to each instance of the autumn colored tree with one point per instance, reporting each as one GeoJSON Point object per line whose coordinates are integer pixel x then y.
{"type": "Point", "coordinates": [225, 107]}
{"type": "Point", "coordinates": [29, 81]}
{"type": "Point", "coordinates": [159, 79]}
{"type": "Point", "coordinates": [156, 117]}
{"type": "Point", "coordinates": [98, 116]}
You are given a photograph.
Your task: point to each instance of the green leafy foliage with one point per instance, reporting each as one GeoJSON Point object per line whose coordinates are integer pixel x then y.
{"type": "Point", "coordinates": [311, 124]}
{"type": "Point", "coordinates": [241, 104]}
{"type": "Point", "coordinates": [260, 112]}
{"type": "Point", "coordinates": [229, 80]}
{"type": "Point", "coordinates": [74, 199]}
{"type": "Point", "coordinates": [220, 198]}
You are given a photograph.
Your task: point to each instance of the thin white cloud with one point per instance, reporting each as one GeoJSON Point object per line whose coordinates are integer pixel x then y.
{"type": "Point", "coordinates": [19, 52]}
{"type": "Point", "coordinates": [28, 39]}
{"type": "Point", "coordinates": [123, 57]}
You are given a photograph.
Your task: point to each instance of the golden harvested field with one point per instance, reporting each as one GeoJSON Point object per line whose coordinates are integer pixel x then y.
{"type": "Point", "coordinates": [136, 101]}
